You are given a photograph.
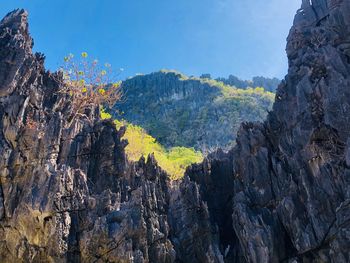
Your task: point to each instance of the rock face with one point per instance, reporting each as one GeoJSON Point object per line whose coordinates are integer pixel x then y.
{"type": "Point", "coordinates": [290, 174]}
{"type": "Point", "coordinates": [190, 112]}
{"type": "Point", "coordinates": [67, 191]}
{"type": "Point", "coordinates": [282, 194]}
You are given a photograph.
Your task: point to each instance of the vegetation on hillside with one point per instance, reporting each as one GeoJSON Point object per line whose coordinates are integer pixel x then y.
{"type": "Point", "coordinates": [171, 125]}
{"type": "Point", "coordinates": [174, 161]}
{"type": "Point", "coordinates": [269, 84]}
{"type": "Point", "coordinates": [201, 113]}
{"type": "Point", "coordinates": [233, 92]}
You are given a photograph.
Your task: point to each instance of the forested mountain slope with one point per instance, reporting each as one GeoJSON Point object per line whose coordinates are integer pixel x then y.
{"type": "Point", "coordinates": [192, 112]}
{"type": "Point", "coordinates": [269, 84]}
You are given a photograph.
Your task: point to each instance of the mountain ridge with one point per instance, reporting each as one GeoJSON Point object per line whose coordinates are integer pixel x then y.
{"type": "Point", "coordinates": [192, 112]}
{"type": "Point", "coordinates": [282, 194]}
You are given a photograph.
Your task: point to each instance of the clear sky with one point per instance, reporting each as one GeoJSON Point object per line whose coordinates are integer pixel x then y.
{"type": "Point", "coordinates": [241, 37]}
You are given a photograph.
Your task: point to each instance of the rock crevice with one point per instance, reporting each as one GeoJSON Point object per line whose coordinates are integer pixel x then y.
{"type": "Point", "coordinates": [69, 194]}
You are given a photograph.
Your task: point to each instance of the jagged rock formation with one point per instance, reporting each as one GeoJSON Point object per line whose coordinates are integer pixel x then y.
{"type": "Point", "coordinates": [290, 174]}
{"type": "Point", "coordinates": [190, 112]}
{"type": "Point", "coordinates": [68, 193]}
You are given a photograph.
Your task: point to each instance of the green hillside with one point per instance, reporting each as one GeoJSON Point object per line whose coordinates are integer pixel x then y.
{"type": "Point", "coordinates": [174, 160]}
{"type": "Point", "coordinates": [185, 111]}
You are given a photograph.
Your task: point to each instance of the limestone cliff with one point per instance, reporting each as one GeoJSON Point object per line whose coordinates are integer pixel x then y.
{"type": "Point", "coordinates": [290, 187]}
{"type": "Point", "coordinates": [282, 194]}
{"type": "Point", "coordinates": [67, 191]}
{"type": "Point", "coordinates": [185, 111]}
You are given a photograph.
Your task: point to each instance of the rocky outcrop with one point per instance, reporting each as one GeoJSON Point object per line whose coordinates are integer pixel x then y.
{"type": "Point", "coordinates": [190, 112]}
{"type": "Point", "coordinates": [282, 194]}
{"type": "Point", "coordinates": [68, 192]}
{"type": "Point", "coordinates": [290, 174]}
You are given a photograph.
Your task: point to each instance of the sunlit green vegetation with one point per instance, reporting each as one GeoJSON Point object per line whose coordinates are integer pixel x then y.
{"type": "Point", "coordinates": [104, 114]}
{"type": "Point", "coordinates": [233, 92]}
{"type": "Point", "coordinates": [230, 92]}
{"type": "Point", "coordinates": [174, 160]}
{"type": "Point", "coordinates": [180, 110]}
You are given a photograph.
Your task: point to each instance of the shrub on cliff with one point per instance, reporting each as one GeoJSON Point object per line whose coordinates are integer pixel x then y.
{"type": "Point", "coordinates": [89, 84]}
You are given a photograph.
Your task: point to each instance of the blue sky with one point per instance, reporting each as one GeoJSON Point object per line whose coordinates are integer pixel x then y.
{"type": "Point", "coordinates": [241, 37]}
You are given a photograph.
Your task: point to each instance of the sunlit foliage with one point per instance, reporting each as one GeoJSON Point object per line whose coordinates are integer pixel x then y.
{"type": "Point", "coordinates": [88, 83]}
{"type": "Point", "coordinates": [174, 161]}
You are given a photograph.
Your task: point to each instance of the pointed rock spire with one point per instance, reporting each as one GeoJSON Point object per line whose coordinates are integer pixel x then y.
{"type": "Point", "coordinates": [16, 21]}
{"type": "Point", "coordinates": [15, 49]}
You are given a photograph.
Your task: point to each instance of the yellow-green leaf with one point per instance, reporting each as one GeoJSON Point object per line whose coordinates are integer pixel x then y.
{"type": "Point", "coordinates": [116, 85]}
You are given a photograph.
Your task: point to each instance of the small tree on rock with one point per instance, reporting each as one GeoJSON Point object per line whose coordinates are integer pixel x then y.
{"type": "Point", "coordinates": [89, 84]}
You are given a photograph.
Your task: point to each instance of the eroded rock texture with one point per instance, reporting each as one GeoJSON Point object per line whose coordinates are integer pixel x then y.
{"type": "Point", "coordinates": [291, 177]}
{"type": "Point", "coordinates": [69, 194]}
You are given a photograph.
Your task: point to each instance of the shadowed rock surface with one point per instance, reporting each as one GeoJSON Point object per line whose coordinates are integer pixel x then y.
{"type": "Point", "coordinates": [282, 194]}
{"type": "Point", "coordinates": [290, 174]}
{"type": "Point", "coordinates": [67, 192]}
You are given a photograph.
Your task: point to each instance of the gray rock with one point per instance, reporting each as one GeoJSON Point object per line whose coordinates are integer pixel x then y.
{"type": "Point", "coordinates": [282, 194]}
{"type": "Point", "coordinates": [67, 193]}
{"type": "Point", "coordinates": [291, 173]}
